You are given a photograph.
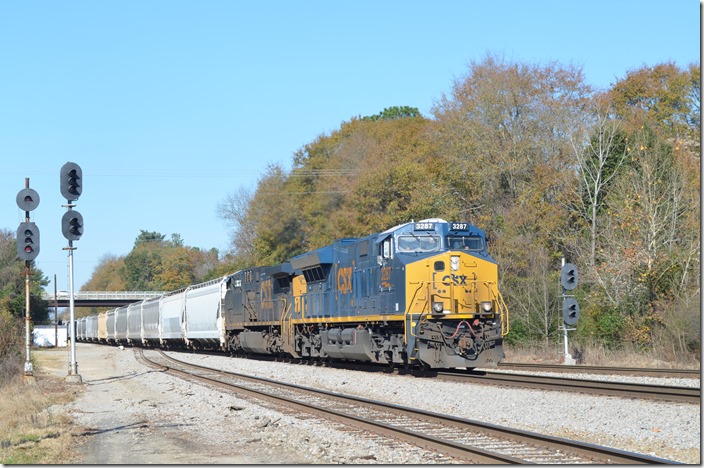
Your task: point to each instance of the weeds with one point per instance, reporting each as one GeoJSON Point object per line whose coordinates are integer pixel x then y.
{"type": "Point", "coordinates": [34, 429]}
{"type": "Point", "coordinates": [596, 354]}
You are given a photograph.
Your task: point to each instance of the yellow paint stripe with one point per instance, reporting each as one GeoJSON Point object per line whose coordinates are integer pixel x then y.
{"type": "Point", "coordinates": [364, 319]}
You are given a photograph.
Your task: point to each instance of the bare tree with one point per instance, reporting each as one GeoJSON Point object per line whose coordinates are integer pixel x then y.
{"type": "Point", "coordinates": [600, 155]}
{"type": "Point", "coordinates": [234, 211]}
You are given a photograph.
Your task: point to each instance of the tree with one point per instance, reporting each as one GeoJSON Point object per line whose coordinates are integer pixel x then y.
{"type": "Point", "coordinates": [650, 265]}
{"type": "Point", "coordinates": [142, 266]}
{"type": "Point", "coordinates": [665, 98]}
{"type": "Point", "coordinates": [539, 307]}
{"type": "Point", "coordinates": [505, 130]}
{"type": "Point", "coordinates": [176, 269]}
{"type": "Point", "coordinates": [276, 218]}
{"type": "Point", "coordinates": [12, 281]}
{"type": "Point", "coordinates": [366, 176]}
{"type": "Point", "coordinates": [395, 112]}
{"type": "Point", "coordinates": [155, 264]}
{"type": "Point", "coordinates": [233, 210]}
{"type": "Point", "coordinates": [653, 248]}
{"type": "Point", "coordinates": [107, 275]}
{"type": "Point", "coordinates": [600, 160]}
{"type": "Point", "coordinates": [148, 236]}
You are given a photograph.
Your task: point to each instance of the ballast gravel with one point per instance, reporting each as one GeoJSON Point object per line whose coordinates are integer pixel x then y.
{"type": "Point", "coordinates": [136, 415]}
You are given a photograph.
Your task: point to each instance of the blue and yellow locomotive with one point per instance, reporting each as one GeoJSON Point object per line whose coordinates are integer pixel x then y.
{"type": "Point", "coordinates": [420, 294]}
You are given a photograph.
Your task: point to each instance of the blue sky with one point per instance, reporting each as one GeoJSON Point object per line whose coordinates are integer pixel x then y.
{"type": "Point", "coordinates": [168, 106]}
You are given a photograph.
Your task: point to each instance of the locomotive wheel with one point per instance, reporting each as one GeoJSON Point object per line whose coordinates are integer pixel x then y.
{"type": "Point", "coordinates": [423, 366]}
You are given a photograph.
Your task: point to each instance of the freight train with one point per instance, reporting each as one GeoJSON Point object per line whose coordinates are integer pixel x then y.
{"type": "Point", "coordinates": [421, 294]}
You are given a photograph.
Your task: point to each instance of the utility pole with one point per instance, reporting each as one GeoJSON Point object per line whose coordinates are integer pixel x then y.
{"type": "Point", "coordinates": [56, 316]}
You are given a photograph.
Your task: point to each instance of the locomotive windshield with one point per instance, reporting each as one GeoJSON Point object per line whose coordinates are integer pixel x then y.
{"type": "Point", "coordinates": [418, 243]}
{"type": "Point", "coordinates": [473, 243]}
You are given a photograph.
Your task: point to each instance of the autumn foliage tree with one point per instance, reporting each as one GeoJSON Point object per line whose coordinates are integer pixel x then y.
{"type": "Point", "coordinates": [645, 263]}
{"type": "Point", "coordinates": [154, 264]}
{"type": "Point", "coordinates": [504, 128]}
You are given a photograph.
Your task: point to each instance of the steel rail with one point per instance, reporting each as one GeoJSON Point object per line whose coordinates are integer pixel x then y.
{"type": "Point", "coordinates": [690, 395]}
{"type": "Point", "coordinates": [477, 455]}
{"type": "Point", "coordinates": [381, 417]}
{"type": "Point", "coordinates": [599, 387]}
{"type": "Point", "coordinates": [609, 370]}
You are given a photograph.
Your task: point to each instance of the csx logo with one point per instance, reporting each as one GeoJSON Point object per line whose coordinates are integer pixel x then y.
{"type": "Point", "coordinates": [344, 280]}
{"type": "Point", "coordinates": [266, 294]}
{"type": "Point", "coordinates": [457, 280]}
{"type": "Point", "coordinates": [386, 277]}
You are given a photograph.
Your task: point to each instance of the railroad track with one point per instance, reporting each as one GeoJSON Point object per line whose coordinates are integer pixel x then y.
{"type": "Point", "coordinates": [608, 370]}
{"type": "Point", "coordinates": [690, 395]}
{"type": "Point", "coordinates": [461, 439]}
{"type": "Point", "coordinates": [620, 389]}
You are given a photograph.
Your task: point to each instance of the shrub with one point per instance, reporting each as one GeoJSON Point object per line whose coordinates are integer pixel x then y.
{"type": "Point", "coordinates": [11, 345]}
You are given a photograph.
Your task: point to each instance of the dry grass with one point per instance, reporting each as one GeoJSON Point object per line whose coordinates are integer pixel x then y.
{"type": "Point", "coordinates": [594, 355]}
{"type": "Point", "coordinates": [31, 432]}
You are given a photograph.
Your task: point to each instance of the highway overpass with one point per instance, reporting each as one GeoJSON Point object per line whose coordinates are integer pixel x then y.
{"type": "Point", "coordinates": [99, 298]}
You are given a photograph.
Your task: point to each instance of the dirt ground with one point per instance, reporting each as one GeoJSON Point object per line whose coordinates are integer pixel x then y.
{"type": "Point", "coordinates": [126, 416]}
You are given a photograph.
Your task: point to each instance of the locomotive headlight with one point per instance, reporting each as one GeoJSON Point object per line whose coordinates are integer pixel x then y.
{"type": "Point", "coordinates": [454, 263]}
{"type": "Point", "coordinates": [437, 307]}
{"type": "Point", "coordinates": [486, 306]}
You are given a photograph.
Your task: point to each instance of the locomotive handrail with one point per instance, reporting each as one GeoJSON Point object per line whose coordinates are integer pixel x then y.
{"type": "Point", "coordinates": [503, 314]}
{"type": "Point", "coordinates": [287, 328]}
{"type": "Point", "coordinates": [413, 299]}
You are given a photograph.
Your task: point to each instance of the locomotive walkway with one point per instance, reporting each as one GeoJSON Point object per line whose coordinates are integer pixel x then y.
{"type": "Point", "coordinates": [99, 298]}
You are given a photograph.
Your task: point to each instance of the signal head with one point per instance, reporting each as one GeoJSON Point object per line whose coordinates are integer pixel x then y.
{"type": "Point", "coordinates": [27, 199]}
{"type": "Point", "coordinates": [570, 310]}
{"type": "Point", "coordinates": [71, 178]}
{"type": "Point", "coordinates": [72, 225]}
{"type": "Point", "coordinates": [27, 241]}
{"type": "Point", "coordinates": [569, 276]}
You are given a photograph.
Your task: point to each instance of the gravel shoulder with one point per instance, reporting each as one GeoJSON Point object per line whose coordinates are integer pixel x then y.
{"type": "Point", "coordinates": [129, 414]}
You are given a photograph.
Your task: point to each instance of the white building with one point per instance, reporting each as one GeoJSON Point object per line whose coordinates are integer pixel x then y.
{"type": "Point", "coordinates": [45, 335]}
